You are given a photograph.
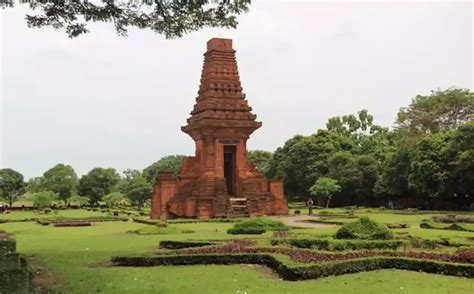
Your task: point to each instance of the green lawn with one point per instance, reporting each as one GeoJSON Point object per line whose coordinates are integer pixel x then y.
{"type": "Point", "coordinates": [77, 256]}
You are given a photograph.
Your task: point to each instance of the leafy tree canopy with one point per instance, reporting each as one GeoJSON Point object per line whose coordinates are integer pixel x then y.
{"type": "Point", "coordinates": [169, 18]}
{"type": "Point", "coordinates": [167, 163]}
{"type": "Point", "coordinates": [98, 183]}
{"type": "Point", "coordinates": [62, 180]}
{"type": "Point", "coordinates": [139, 190]}
{"type": "Point", "coordinates": [260, 159]}
{"type": "Point", "coordinates": [441, 110]}
{"type": "Point", "coordinates": [325, 187]}
{"type": "Point", "coordinates": [12, 185]}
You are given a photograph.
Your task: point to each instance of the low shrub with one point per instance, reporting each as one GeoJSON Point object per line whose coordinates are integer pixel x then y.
{"type": "Point", "coordinates": [365, 229]}
{"type": "Point", "coordinates": [155, 230]}
{"type": "Point", "coordinates": [449, 219]}
{"type": "Point", "coordinates": [257, 226]}
{"type": "Point", "coordinates": [297, 211]}
{"type": "Point", "coordinates": [183, 244]}
{"type": "Point", "coordinates": [397, 226]}
{"type": "Point", "coordinates": [453, 227]}
{"type": "Point", "coordinates": [155, 222]}
{"type": "Point", "coordinates": [72, 224]}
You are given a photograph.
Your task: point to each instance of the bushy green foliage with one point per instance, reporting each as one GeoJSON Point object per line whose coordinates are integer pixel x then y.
{"type": "Point", "coordinates": [44, 199]}
{"type": "Point", "coordinates": [325, 187]}
{"type": "Point", "coordinates": [98, 183]}
{"type": "Point", "coordinates": [364, 229]}
{"type": "Point", "coordinates": [257, 226]}
{"type": "Point", "coordinates": [453, 227]}
{"type": "Point", "coordinates": [112, 199]}
{"type": "Point", "coordinates": [166, 163]}
{"type": "Point", "coordinates": [11, 185]}
{"type": "Point", "coordinates": [62, 180]}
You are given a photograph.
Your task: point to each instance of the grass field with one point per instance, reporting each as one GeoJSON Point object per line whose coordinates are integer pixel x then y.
{"type": "Point", "coordinates": [78, 258]}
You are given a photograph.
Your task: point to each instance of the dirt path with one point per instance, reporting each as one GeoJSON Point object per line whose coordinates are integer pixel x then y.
{"type": "Point", "coordinates": [299, 221]}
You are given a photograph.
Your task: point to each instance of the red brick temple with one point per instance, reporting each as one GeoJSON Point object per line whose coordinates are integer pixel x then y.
{"type": "Point", "coordinates": [218, 181]}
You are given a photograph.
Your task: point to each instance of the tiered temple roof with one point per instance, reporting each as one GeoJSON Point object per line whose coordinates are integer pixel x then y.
{"type": "Point", "coordinates": [221, 102]}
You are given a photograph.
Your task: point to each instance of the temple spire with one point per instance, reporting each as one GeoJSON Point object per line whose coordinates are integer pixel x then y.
{"type": "Point", "coordinates": [220, 98]}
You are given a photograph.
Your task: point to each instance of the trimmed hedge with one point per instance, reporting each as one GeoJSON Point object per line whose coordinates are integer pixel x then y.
{"type": "Point", "coordinates": [449, 219]}
{"type": "Point", "coordinates": [92, 219]}
{"type": "Point", "coordinates": [452, 227]}
{"type": "Point", "coordinates": [397, 226]}
{"type": "Point", "coordinates": [257, 226]}
{"type": "Point", "coordinates": [340, 245]}
{"type": "Point", "coordinates": [303, 272]}
{"type": "Point", "coordinates": [14, 275]}
{"type": "Point", "coordinates": [72, 224]}
{"type": "Point", "coordinates": [183, 244]}
{"type": "Point", "coordinates": [364, 229]}
{"type": "Point", "coordinates": [155, 222]}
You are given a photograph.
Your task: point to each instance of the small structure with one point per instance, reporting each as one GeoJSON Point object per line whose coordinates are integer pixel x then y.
{"type": "Point", "coordinates": [218, 181]}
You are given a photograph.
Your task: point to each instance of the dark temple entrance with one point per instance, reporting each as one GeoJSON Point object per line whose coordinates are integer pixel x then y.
{"type": "Point", "coordinates": [229, 168]}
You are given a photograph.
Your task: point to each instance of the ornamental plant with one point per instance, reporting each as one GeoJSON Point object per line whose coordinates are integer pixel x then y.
{"type": "Point", "coordinates": [364, 229]}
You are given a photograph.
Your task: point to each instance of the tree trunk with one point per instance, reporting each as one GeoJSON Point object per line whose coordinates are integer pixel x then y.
{"type": "Point", "coordinates": [327, 202]}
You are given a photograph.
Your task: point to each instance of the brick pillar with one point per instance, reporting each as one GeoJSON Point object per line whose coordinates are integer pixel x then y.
{"type": "Point", "coordinates": [165, 188]}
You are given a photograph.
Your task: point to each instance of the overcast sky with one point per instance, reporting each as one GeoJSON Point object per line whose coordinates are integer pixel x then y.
{"type": "Point", "coordinates": [108, 101]}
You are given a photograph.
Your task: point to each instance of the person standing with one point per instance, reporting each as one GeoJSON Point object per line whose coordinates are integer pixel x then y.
{"type": "Point", "coordinates": [310, 203]}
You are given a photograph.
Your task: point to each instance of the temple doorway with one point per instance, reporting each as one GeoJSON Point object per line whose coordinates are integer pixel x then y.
{"type": "Point", "coordinates": [229, 168]}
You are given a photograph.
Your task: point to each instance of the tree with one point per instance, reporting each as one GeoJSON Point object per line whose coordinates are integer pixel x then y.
{"type": "Point", "coordinates": [343, 168]}
{"type": "Point", "coordinates": [78, 200]}
{"type": "Point", "coordinates": [429, 166]}
{"type": "Point", "coordinates": [369, 169]}
{"type": "Point", "coordinates": [35, 185]}
{"type": "Point", "coordinates": [43, 199]}
{"type": "Point", "coordinates": [128, 174]}
{"type": "Point", "coordinates": [62, 180]}
{"type": "Point", "coordinates": [11, 185]}
{"type": "Point", "coordinates": [260, 159]}
{"type": "Point", "coordinates": [167, 163]}
{"type": "Point", "coordinates": [325, 187]}
{"type": "Point", "coordinates": [98, 183]}
{"type": "Point", "coordinates": [113, 199]}
{"type": "Point", "coordinates": [170, 18]}
{"type": "Point", "coordinates": [139, 190]}
{"type": "Point", "coordinates": [393, 179]}
{"type": "Point", "coordinates": [442, 110]}
{"type": "Point", "coordinates": [461, 165]}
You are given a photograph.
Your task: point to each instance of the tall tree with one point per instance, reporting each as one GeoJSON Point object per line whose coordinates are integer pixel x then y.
{"type": "Point", "coordinates": [325, 187]}
{"type": "Point", "coordinates": [139, 190]}
{"type": "Point", "coordinates": [35, 185]}
{"type": "Point", "coordinates": [62, 180]}
{"type": "Point", "coordinates": [260, 159]}
{"type": "Point", "coordinates": [167, 163]}
{"type": "Point", "coordinates": [98, 183]}
{"type": "Point", "coordinates": [170, 18]}
{"type": "Point", "coordinates": [441, 110]}
{"type": "Point", "coordinates": [343, 168]}
{"type": "Point", "coordinates": [12, 185]}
